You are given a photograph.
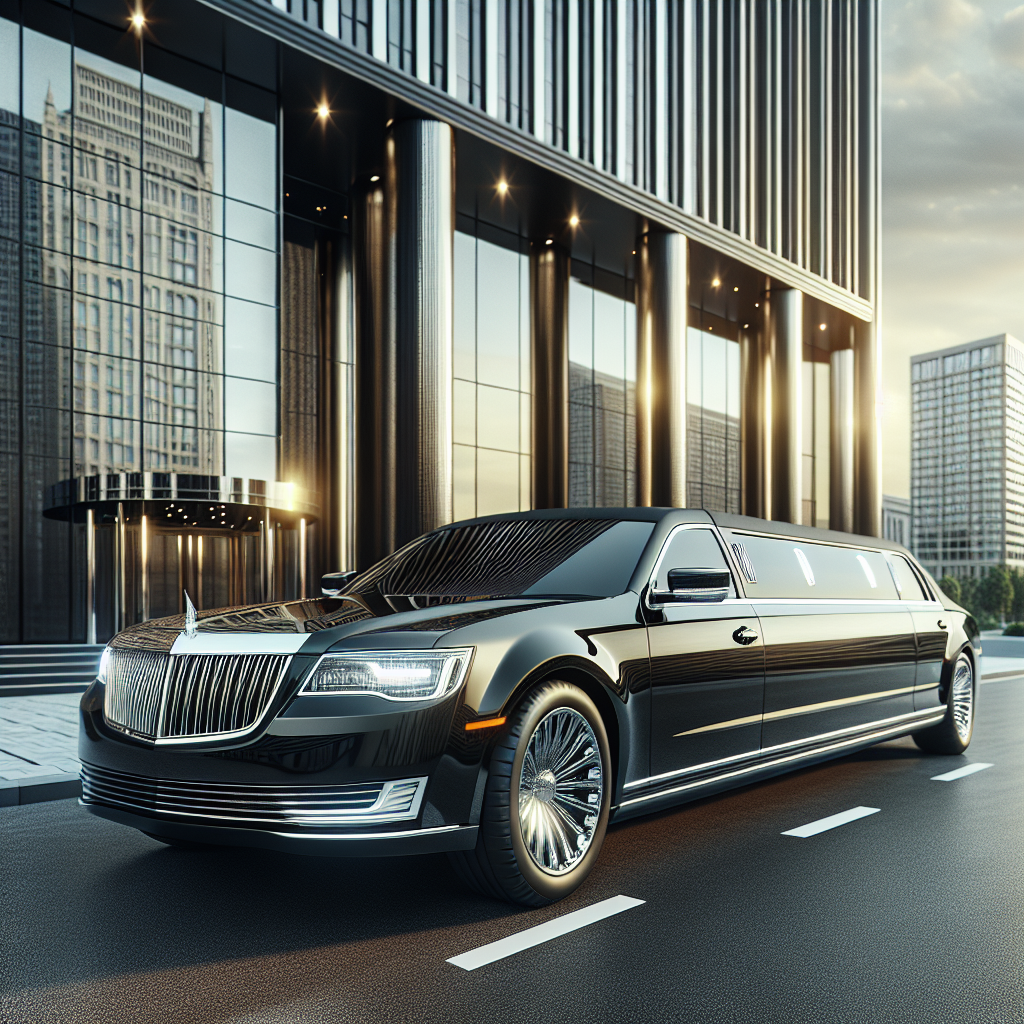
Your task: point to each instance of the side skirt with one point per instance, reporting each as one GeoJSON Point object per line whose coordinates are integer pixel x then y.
{"type": "Point", "coordinates": [674, 793]}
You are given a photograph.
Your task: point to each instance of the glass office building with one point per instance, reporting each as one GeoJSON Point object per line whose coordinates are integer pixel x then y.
{"type": "Point", "coordinates": [283, 285]}
{"type": "Point", "coordinates": [967, 457]}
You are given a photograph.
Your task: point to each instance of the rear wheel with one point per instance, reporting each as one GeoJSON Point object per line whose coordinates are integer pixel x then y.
{"type": "Point", "coordinates": [953, 733]}
{"type": "Point", "coordinates": [546, 804]}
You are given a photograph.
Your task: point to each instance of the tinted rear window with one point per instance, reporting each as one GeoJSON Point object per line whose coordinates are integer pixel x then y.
{"type": "Point", "coordinates": [792, 568]}
{"type": "Point", "coordinates": [585, 557]}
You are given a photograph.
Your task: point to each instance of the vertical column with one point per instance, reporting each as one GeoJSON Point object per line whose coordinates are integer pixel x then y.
{"type": "Point", "coordinates": [374, 491]}
{"type": "Point", "coordinates": [867, 445]}
{"type": "Point", "coordinates": [753, 371]}
{"type": "Point", "coordinates": [421, 180]}
{"type": "Point", "coordinates": [661, 369]}
{"type": "Point", "coordinates": [787, 350]}
{"type": "Point", "coordinates": [549, 340]}
{"type": "Point", "coordinates": [90, 577]}
{"type": "Point", "coordinates": [841, 446]}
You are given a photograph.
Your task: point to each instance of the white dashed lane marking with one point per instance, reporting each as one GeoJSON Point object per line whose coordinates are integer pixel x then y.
{"type": "Point", "coordinates": [832, 821]}
{"type": "Point", "coordinates": [483, 955]}
{"type": "Point", "coordinates": [959, 773]}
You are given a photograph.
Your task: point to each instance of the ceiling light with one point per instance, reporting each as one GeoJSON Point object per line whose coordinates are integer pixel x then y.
{"type": "Point", "coordinates": [548, 241]}
{"type": "Point", "coordinates": [736, 288]}
{"type": "Point", "coordinates": [323, 110]}
{"type": "Point", "coordinates": [502, 187]}
{"type": "Point", "coordinates": [634, 252]}
{"type": "Point", "coordinates": [374, 177]}
{"type": "Point", "coordinates": [821, 327]}
{"type": "Point", "coordinates": [574, 220]}
{"type": "Point", "coordinates": [745, 326]}
{"type": "Point", "coordinates": [715, 283]}
{"type": "Point", "coordinates": [138, 20]}
{"type": "Point", "coordinates": [756, 304]}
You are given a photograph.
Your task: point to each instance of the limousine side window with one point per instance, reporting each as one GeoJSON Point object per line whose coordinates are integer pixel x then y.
{"type": "Point", "coordinates": [906, 579]}
{"type": "Point", "coordinates": [692, 549]}
{"type": "Point", "coordinates": [793, 568]}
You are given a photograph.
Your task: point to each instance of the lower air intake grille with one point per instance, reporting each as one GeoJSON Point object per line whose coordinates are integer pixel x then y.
{"type": "Point", "coordinates": [359, 804]}
{"type": "Point", "coordinates": [163, 696]}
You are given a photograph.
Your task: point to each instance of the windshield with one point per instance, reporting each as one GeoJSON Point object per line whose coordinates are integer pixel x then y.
{"type": "Point", "coordinates": [516, 558]}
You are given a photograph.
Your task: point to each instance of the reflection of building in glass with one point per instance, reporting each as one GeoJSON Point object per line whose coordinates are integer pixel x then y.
{"type": "Point", "coordinates": [896, 519]}
{"type": "Point", "coordinates": [967, 456]}
{"type": "Point", "coordinates": [143, 352]}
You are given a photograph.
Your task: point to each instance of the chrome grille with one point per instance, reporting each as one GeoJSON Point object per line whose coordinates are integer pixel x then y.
{"type": "Point", "coordinates": [163, 696]}
{"type": "Point", "coordinates": [357, 804]}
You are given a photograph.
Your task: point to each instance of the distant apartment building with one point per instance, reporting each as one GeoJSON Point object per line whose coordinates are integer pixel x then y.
{"type": "Point", "coordinates": [967, 456]}
{"type": "Point", "coordinates": [896, 519]}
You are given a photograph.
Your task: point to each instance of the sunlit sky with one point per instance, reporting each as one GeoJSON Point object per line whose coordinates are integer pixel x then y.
{"type": "Point", "coordinates": [952, 190]}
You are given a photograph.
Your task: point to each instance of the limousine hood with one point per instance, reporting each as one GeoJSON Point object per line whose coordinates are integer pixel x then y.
{"type": "Point", "coordinates": [335, 618]}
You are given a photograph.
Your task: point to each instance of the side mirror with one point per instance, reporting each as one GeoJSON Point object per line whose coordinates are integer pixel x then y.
{"type": "Point", "coordinates": [692, 585]}
{"type": "Point", "coordinates": [333, 584]}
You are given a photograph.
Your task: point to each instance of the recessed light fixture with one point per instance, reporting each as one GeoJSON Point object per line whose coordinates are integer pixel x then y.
{"type": "Point", "coordinates": [821, 327]}
{"type": "Point", "coordinates": [574, 220]}
{"type": "Point", "coordinates": [502, 187]}
{"type": "Point", "coordinates": [323, 110]}
{"type": "Point", "coordinates": [745, 326]}
{"type": "Point", "coordinates": [634, 252]}
{"type": "Point", "coordinates": [138, 20]}
{"type": "Point", "coordinates": [374, 177]}
{"type": "Point", "coordinates": [548, 241]}
{"type": "Point", "coordinates": [715, 283]}
{"type": "Point", "coordinates": [756, 304]}
{"type": "Point", "coordinates": [736, 288]}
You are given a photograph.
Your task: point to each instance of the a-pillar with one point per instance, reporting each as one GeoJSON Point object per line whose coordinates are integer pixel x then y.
{"type": "Point", "coordinates": [420, 188]}
{"type": "Point", "coordinates": [549, 340]}
{"type": "Point", "coordinates": [787, 349]}
{"type": "Point", "coordinates": [662, 276]}
{"type": "Point", "coordinates": [841, 446]}
{"type": "Point", "coordinates": [867, 451]}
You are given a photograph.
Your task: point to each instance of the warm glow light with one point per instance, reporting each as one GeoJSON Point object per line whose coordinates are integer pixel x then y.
{"type": "Point", "coordinates": [574, 220]}
{"type": "Point", "coordinates": [502, 187]}
{"type": "Point", "coordinates": [736, 288]}
{"type": "Point", "coordinates": [138, 20]}
{"type": "Point", "coordinates": [374, 177]}
{"type": "Point", "coordinates": [323, 110]}
{"type": "Point", "coordinates": [821, 327]}
{"type": "Point", "coordinates": [715, 283]}
{"type": "Point", "coordinates": [756, 304]}
{"type": "Point", "coordinates": [745, 326]}
{"type": "Point", "coordinates": [487, 723]}
{"type": "Point", "coordinates": [548, 241]}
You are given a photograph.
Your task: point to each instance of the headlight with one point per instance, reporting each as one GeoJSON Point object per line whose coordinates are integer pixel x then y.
{"type": "Point", "coordinates": [104, 668]}
{"type": "Point", "coordinates": [405, 675]}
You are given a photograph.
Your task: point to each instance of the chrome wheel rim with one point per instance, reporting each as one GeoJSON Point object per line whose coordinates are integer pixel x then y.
{"type": "Point", "coordinates": [561, 787]}
{"type": "Point", "coordinates": [963, 697]}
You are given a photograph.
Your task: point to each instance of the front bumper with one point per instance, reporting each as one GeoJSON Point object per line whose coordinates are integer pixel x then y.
{"type": "Point", "coordinates": [319, 843]}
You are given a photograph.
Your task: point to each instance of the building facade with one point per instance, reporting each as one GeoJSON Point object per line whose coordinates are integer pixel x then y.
{"type": "Point", "coordinates": [967, 457]}
{"type": "Point", "coordinates": [896, 519]}
{"type": "Point", "coordinates": [283, 285]}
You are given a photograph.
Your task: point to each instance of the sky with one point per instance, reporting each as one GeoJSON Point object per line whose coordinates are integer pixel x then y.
{"type": "Point", "coordinates": [952, 190]}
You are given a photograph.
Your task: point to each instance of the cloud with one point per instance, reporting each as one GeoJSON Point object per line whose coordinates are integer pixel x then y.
{"type": "Point", "coordinates": [1008, 38]}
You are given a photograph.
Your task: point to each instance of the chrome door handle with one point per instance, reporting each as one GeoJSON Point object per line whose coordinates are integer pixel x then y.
{"type": "Point", "coordinates": [744, 635]}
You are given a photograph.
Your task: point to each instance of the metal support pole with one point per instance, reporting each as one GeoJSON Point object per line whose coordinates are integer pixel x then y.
{"type": "Point", "coordinates": [787, 345]}
{"type": "Point", "coordinates": [549, 340]}
{"type": "Point", "coordinates": [144, 553]}
{"type": "Point", "coordinates": [661, 369]}
{"type": "Point", "coordinates": [840, 500]}
{"type": "Point", "coordinates": [421, 179]}
{"type": "Point", "coordinates": [120, 613]}
{"type": "Point", "coordinates": [90, 577]}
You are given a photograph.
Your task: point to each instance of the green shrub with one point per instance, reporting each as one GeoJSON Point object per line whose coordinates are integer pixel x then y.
{"type": "Point", "coordinates": [1014, 629]}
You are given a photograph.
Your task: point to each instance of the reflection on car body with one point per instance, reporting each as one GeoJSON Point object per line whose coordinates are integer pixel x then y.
{"type": "Point", "coordinates": [504, 687]}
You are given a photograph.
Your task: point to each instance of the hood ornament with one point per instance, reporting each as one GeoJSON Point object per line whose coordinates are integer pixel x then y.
{"type": "Point", "coordinates": [191, 619]}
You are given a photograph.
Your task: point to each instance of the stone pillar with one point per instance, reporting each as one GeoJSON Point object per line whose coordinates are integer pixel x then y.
{"type": "Point", "coordinates": [421, 182]}
{"type": "Point", "coordinates": [787, 352]}
{"type": "Point", "coordinates": [867, 446]}
{"type": "Point", "coordinates": [374, 490]}
{"type": "Point", "coordinates": [840, 479]}
{"type": "Point", "coordinates": [661, 307]}
{"type": "Point", "coordinates": [549, 340]}
{"type": "Point", "coordinates": [752, 421]}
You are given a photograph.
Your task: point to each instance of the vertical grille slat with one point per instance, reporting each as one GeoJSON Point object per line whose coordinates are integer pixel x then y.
{"type": "Point", "coordinates": [206, 694]}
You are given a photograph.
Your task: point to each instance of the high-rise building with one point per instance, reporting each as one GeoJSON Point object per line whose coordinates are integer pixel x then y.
{"type": "Point", "coordinates": [283, 285]}
{"type": "Point", "coordinates": [967, 456]}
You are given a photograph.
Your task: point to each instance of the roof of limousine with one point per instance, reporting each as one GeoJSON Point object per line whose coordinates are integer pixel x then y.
{"type": "Point", "coordinates": [695, 515]}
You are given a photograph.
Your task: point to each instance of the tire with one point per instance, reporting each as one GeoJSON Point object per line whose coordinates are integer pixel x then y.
{"type": "Point", "coordinates": [179, 844]}
{"type": "Point", "coordinates": [953, 734]}
{"type": "Point", "coordinates": [513, 859]}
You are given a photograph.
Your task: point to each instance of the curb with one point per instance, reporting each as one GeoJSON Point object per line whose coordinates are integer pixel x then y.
{"type": "Point", "coordinates": [42, 787]}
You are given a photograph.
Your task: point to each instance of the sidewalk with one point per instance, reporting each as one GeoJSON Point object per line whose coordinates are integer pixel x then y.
{"type": "Point", "coordinates": [39, 748]}
{"type": "Point", "coordinates": [39, 734]}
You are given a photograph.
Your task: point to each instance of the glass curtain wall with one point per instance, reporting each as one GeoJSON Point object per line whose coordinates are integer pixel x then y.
{"type": "Point", "coordinates": [602, 388]}
{"type": "Point", "coordinates": [138, 304]}
{"type": "Point", "coordinates": [491, 389]}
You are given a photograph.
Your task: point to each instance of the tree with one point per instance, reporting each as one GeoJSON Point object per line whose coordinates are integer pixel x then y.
{"type": "Point", "coordinates": [996, 591]}
{"type": "Point", "coordinates": [1017, 604]}
{"type": "Point", "coordinates": [950, 586]}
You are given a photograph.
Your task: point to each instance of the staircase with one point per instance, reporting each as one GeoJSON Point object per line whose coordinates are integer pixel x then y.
{"type": "Point", "coordinates": [47, 668]}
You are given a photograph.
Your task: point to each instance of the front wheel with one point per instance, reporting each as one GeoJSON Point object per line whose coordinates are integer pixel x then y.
{"type": "Point", "coordinates": [953, 733]}
{"type": "Point", "coordinates": [547, 800]}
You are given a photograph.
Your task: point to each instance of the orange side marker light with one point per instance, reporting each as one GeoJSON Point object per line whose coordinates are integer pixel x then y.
{"type": "Point", "coordinates": [487, 723]}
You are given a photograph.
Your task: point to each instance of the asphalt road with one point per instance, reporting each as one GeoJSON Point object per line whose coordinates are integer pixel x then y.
{"type": "Point", "coordinates": [914, 913]}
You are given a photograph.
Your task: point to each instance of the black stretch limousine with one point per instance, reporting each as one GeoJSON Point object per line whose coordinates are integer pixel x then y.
{"type": "Point", "coordinates": [503, 687]}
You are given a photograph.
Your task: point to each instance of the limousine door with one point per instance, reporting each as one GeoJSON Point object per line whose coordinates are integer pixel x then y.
{"type": "Point", "coordinates": [839, 645]}
{"type": "Point", "coordinates": [707, 666]}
